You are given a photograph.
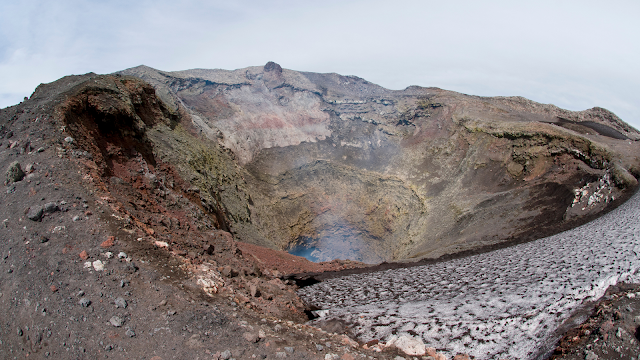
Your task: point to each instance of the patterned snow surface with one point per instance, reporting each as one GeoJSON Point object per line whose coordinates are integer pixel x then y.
{"type": "Point", "coordinates": [507, 303]}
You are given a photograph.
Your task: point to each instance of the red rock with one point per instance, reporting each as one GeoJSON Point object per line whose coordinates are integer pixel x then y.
{"type": "Point", "coordinates": [461, 357]}
{"type": "Point", "coordinates": [83, 255]}
{"type": "Point", "coordinates": [53, 288]}
{"type": "Point", "coordinates": [111, 240]}
{"type": "Point", "coordinates": [431, 352]}
{"type": "Point", "coordinates": [347, 341]}
{"type": "Point", "coordinates": [348, 357]}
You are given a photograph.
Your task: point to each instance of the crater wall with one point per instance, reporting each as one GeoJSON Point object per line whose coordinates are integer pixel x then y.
{"type": "Point", "coordinates": [333, 166]}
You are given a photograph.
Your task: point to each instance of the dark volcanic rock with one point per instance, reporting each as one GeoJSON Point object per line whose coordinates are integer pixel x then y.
{"type": "Point", "coordinates": [35, 213]}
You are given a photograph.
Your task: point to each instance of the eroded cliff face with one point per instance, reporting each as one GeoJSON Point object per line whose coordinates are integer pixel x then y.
{"type": "Point", "coordinates": [332, 166]}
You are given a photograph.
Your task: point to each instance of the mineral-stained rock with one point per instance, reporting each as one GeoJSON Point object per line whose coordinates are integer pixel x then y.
{"type": "Point", "coordinates": [14, 173]}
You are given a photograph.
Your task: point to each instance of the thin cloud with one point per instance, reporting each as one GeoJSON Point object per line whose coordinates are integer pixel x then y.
{"type": "Point", "coordinates": [575, 54]}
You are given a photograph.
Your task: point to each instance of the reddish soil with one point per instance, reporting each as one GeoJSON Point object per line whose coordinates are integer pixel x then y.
{"type": "Point", "coordinates": [116, 269]}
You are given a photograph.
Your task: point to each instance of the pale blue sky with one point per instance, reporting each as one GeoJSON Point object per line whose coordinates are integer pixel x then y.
{"type": "Point", "coordinates": [575, 54]}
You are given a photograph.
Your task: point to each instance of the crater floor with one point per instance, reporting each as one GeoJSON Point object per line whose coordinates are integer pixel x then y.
{"type": "Point", "coordinates": [507, 303]}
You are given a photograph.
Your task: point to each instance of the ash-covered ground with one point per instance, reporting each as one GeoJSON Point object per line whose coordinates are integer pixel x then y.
{"type": "Point", "coordinates": [509, 303]}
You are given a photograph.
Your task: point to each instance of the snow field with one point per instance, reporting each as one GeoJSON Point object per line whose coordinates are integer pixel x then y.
{"type": "Point", "coordinates": [507, 303]}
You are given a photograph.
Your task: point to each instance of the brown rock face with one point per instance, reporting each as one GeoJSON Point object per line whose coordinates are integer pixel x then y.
{"type": "Point", "coordinates": [331, 166]}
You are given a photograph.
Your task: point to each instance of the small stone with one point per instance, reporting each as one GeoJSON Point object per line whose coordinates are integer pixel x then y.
{"type": "Point", "coordinates": [121, 303]}
{"type": "Point", "coordinates": [131, 267]}
{"type": "Point", "coordinates": [98, 265]}
{"type": "Point", "coordinates": [53, 288]}
{"type": "Point", "coordinates": [43, 239]}
{"type": "Point", "coordinates": [251, 337]}
{"type": "Point", "coordinates": [50, 207]}
{"type": "Point", "coordinates": [35, 213]}
{"type": "Point", "coordinates": [80, 293]}
{"type": "Point", "coordinates": [69, 140]}
{"type": "Point", "coordinates": [116, 321]}
{"type": "Point", "coordinates": [171, 312]}
{"type": "Point", "coordinates": [399, 358]}
{"type": "Point", "coordinates": [289, 349]}
{"type": "Point", "coordinates": [590, 355]}
{"type": "Point", "coordinates": [617, 315]}
{"type": "Point", "coordinates": [76, 218]}
{"type": "Point", "coordinates": [619, 333]}
{"type": "Point", "coordinates": [108, 347]}
{"type": "Point", "coordinates": [83, 255]}
{"type": "Point", "coordinates": [277, 328]}
{"type": "Point", "coordinates": [281, 355]}
{"type": "Point", "coordinates": [130, 333]}
{"type": "Point", "coordinates": [229, 272]}
{"type": "Point", "coordinates": [254, 291]}
{"type": "Point", "coordinates": [14, 173]}
{"type": "Point", "coordinates": [19, 331]}
{"type": "Point", "coordinates": [331, 357]}
{"type": "Point", "coordinates": [162, 244]}
{"type": "Point", "coordinates": [319, 347]}
{"type": "Point", "coordinates": [108, 254]}
{"type": "Point", "coordinates": [122, 255]}
{"type": "Point", "coordinates": [261, 334]}
{"type": "Point", "coordinates": [225, 355]}
{"type": "Point", "coordinates": [84, 302]}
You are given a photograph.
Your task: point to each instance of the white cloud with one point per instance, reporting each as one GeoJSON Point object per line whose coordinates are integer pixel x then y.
{"type": "Point", "coordinates": [576, 54]}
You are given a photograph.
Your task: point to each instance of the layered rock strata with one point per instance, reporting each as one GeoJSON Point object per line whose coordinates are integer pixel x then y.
{"type": "Point", "coordinates": [332, 166]}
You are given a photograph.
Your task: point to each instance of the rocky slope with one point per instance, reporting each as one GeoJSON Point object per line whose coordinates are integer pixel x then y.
{"type": "Point", "coordinates": [107, 252]}
{"type": "Point", "coordinates": [332, 166]}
